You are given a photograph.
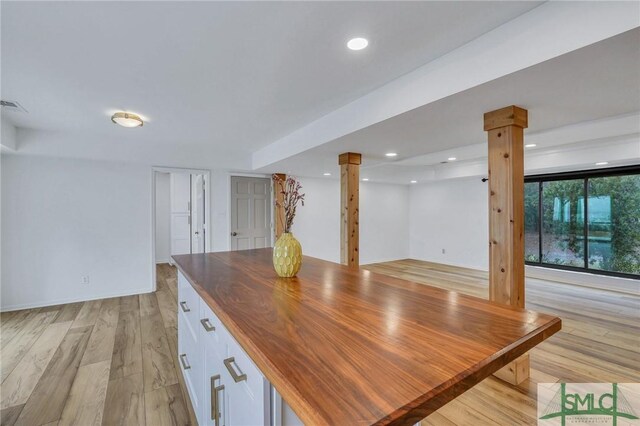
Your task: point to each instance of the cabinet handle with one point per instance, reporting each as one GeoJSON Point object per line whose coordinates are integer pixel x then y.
{"type": "Point", "coordinates": [215, 400]}
{"type": "Point", "coordinates": [184, 363]}
{"type": "Point", "coordinates": [236, 377]}
{"type": "Point", "coordinates": [184, 307]}
{"type": "Point", "coordinates": [207, 324]}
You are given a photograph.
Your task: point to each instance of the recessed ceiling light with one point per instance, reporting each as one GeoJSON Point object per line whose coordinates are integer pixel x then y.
{"type": "Point", "coordinates": [327, 174]}
{"type": "Point", "coordinates": [127, 119]}
{"type": "Point", "coordinates": [357, 43]}
{"type": "Point", "coordinates": [414, 181]}
{"type": "Point", "coordinates": [452, 158]}
{"type": "Point", "coordinates": [391, 154]}
{"type": "Point", "coordinates": [365, 179]}
{"type": "Point", "coordinates": [602, 163]}
{"type": "Point", "coordinates": [530, 145]}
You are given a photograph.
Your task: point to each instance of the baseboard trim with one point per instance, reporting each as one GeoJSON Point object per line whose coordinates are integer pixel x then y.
{"type": "Point", "coordinates": [584, 279]}
{"type": "Point", "coordinates": [388, 259]}
{"type": "Point", "coordinates": [42, 304]}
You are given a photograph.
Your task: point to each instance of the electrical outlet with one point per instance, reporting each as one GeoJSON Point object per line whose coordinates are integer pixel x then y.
{"type": "Point", "coordinates": [443, 251]}
{"type": "Point", "coordinates": [84, 280]}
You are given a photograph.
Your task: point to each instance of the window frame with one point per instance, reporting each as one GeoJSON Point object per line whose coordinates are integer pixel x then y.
{"type": "Point", "coordinates": [585, 175]}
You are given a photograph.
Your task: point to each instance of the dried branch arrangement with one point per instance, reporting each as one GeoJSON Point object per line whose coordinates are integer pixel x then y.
{"type": "Point", "coordinates": [290, 189]}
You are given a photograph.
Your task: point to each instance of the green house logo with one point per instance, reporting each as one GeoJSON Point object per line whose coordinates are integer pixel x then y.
{"type": "Point", "coordinates": [588, 403]}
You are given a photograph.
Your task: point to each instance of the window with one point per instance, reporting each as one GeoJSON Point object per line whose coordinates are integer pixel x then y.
{"type": "Point", "coordinates": [584, 221]}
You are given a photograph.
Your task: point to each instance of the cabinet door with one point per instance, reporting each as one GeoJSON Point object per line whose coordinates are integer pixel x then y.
{"type": "Point", "coordinates": [214, 395]}
{"type": "Point", "coordinates": [190, 358]}
{"type": "Point", "coordinates": [245, 395]}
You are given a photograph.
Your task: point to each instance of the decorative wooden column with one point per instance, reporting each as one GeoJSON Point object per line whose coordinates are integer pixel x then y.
{"type": "Point", "coordinates": [349, 208]}
{"type": "Point", "coordinates": [278, 197]}
{"type": "Point", "coordinates": [505, 129]}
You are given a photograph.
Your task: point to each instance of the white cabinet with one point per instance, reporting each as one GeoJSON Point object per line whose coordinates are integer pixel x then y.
{"type": "Point", "coordinates": [225, 387]}
{"type": "Point", "coordinates": [189, 348]}
{"type": "Point", "coordinates": [246, 389]}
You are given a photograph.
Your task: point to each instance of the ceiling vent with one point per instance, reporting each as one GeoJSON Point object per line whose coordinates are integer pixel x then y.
{"type": "Point", "coordinates": [12, 106]}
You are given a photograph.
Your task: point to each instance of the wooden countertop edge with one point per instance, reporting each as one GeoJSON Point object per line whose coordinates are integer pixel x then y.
{"type": "Point", "coordinates": [411, 413]}
{"type": "Point", "coordinates": [424, 405]}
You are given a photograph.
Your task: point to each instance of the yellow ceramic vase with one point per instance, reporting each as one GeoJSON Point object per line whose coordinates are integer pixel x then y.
{"type": "Point", "coordinates": [287, 256]}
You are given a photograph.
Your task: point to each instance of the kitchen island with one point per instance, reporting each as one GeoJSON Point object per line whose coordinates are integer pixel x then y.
{"type": "Point", "coordinates": [342, 346]}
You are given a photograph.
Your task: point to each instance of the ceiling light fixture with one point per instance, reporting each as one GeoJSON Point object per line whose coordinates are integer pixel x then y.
{"type": "Point", "coordinates": [452, 159]}
{"type": "Point", "coordinates": [414, 181]}
{"type": "Point", "coordinates": [391, 154]}
{"type": "Point", "coordinates": [602, 163]}
{"type": "Point", "coordinates": [327, 174]}
{"type": "Point", "coordinates": [530, 145]}
{"type": "Point", "coordinates": [365, 179]}
{"type": "Point", "coordinates": [127, 119]}
{"type": "Point", "coordinates": [357, 43]}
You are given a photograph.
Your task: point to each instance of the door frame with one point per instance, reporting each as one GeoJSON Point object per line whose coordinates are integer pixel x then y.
{"type": "Point", "coordinates": [229, 202]}
{"type": "Point", "coordinates": [208, 241]}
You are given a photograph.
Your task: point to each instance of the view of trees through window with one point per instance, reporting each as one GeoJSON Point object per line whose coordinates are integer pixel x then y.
{"type": "Point", "coordinates": [586, 221]}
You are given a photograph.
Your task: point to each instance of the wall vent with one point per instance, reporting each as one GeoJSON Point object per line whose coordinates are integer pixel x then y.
{"type": "Point", "coordinates": [12, 106]}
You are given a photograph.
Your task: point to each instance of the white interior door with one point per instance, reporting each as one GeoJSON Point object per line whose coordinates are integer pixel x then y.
{"type": "Point", "coordinates": [198, 221]}
{"type": "Point", "coordinates": [180, 213]}
{"type": "Point", "coordinates": [250, 213]}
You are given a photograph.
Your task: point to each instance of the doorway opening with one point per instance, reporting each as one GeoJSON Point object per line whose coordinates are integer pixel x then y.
{"type": "Point", "coordinates": [180, 213]}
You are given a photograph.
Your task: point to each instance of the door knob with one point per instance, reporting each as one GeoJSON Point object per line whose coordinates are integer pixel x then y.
{"type": "Point", "coordinates": [233, 234]}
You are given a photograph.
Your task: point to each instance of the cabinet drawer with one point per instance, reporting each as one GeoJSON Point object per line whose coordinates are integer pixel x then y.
{"type": "Point", "coordinates": [188, 305]}
{"type": "Point", "coordinates": [210, 329]}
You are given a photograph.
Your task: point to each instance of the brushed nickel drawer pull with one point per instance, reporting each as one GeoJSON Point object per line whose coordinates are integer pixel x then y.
{"type": "Point", "coordinates": [207, 324]}
{"type": "Point", "coordinates": [184, 307]}
{"type": "Point", "coordinates": [215, 399]}
{"type": "Point", "coordinates": [236, 377]}
{"type": "Point", "coordinates": [184, 363]}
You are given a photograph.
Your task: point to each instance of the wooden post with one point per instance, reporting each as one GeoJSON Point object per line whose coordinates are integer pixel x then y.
{"type": "Point", "coordinates": [505, 129]}
{"type": "Point", "coordinates": [278, 197]}
{"type": "Point", "coordinates": [349, 208]}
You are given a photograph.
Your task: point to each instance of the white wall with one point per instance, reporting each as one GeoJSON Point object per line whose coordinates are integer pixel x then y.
{"type": "Point", "coordinates": [163, 218]}
{"type": "Point", "coordinates": [450, 215]}
{"type": "Point", "coordinates": [384, 221]}
{"type": "Point", "coordinates": [63, 219]}
{"type": "Point", "coordinates": [8, 137]}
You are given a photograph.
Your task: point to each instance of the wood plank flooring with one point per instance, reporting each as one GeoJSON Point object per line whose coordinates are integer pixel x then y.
{"type": "Point", "coordinates": [599, 342]}
{"type": "Point", "coordinates": [114, 362]}
{"type": "Point", "coordinates": [111, 362]}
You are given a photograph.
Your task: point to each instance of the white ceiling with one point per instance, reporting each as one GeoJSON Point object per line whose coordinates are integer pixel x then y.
{"type": "Point", "coordinates": [213, 79]}
{"type": "Point", "coordinates": [592, 83]}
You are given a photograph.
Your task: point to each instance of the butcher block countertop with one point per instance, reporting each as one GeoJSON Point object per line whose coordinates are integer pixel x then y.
{"type": "Point", "coordinates": [345, 346]}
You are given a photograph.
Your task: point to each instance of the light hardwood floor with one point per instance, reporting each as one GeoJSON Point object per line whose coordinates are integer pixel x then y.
{"type": "Point", "coordinates": [113, 361]}
{"type": "Point", "coordinates": [599, 342]}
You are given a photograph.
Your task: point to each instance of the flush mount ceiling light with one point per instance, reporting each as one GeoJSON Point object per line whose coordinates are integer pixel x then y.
{"type": "Point", "coordinates": [530, 145]}
{"type": "Point", "coordinates": [365, 179]}
{"type": "Point", "coordinates": [357, 43]}
{"type": "Point", "coordinates": [451, 159]}
{"type": "Point", "coordinates": [391, 154]}
{"type": "Point", "coordinates": [602, 163]}
{"type": "Point", "coordinates": [127, 119]}
{"type": "Point", "coordinates": [414, 181]}
{"type": "Point", "coordinates": [326, 174]}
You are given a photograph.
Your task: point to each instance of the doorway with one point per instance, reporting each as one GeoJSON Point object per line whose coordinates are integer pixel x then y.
{"type": "Point", "coordinates": [181, 207]}
{"type": "Point", "coordinates": [250, 213]}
